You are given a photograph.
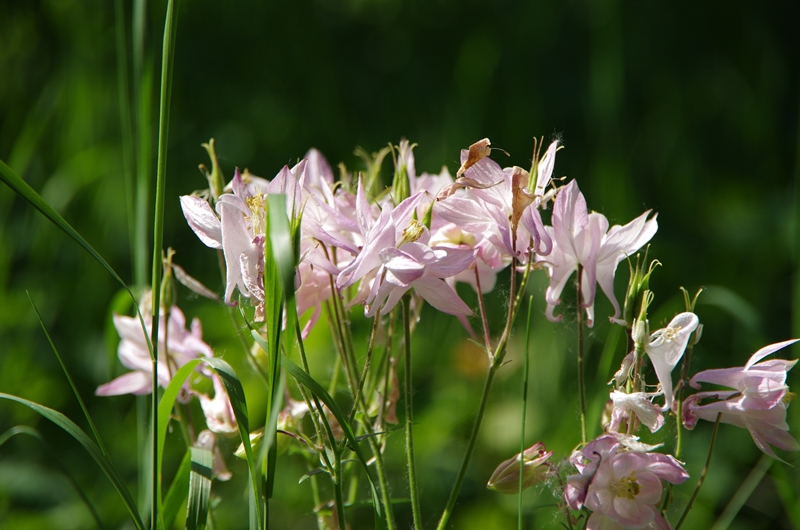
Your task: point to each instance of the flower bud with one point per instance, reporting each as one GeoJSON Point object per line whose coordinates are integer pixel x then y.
{"type": "Point", "coordinates": [505, 478]}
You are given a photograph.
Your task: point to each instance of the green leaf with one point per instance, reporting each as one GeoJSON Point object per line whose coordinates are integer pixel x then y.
{"type": "Point", "coordinates": [165, 409]}
{"type": "Point", "coordinates": [178, 491]}
{"type": "Point", "coordinates": [81, 437]}
{"type": "Point", "coordinates": [22, 429]}
{"type": "Point", "coordinates": [199, 489]}
{"type": "Point", "coordinates": [233, 387]}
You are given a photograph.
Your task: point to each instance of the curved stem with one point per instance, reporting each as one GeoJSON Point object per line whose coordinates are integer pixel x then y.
{"type": "Point", "coordinates": [702, 473]}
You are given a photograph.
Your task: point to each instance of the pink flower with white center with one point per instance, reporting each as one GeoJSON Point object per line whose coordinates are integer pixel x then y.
{"type": "Point", "coordinates": [620, 485]}
{"type": "Point", "coordinates": [581, 238]}
{"type": "Point", "coordinates": [181, 347]}
{"type": "Point", "coordinates": [757, 403]}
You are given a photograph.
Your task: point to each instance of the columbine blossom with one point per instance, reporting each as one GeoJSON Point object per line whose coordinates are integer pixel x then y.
{"type": "Point", "coordinates": [583, 238]}
{"type": "Point", "coordinates": [505, 478]}
{"type": "Point", "coordinates": [620, 483]}
{"type": "Point", "coordinates": [757, 403]}
{"type": "Point", "coordinates": [640, 403]}
{"type": "Point", "coordinates": [666, 347]}
{"type": "Point", "coordinates": [182, 346]}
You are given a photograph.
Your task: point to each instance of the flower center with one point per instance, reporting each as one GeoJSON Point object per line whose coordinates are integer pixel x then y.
{"type": "Point", "coordinates": [257, 204]}
{"type": "Point", "coordinates": [412, 232]}
{"type": "Point", "coordinates": [626, 487]}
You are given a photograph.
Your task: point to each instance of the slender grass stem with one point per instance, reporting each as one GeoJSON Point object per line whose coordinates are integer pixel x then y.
{"type": "Point", "coordinates": [702, 473]}
{"type": "Point", "coordinates": [168, 51]}
{"type": "Point", "coordinates": [581, 383]}
{"type": "Point", "coordinates": [407, 387]}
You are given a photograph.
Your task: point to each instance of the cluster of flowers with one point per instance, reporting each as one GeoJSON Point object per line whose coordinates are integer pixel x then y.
{"type": "Point", "coordinates": [431, 231]}
{"type": "Point", "coordinates": [443, 231]}
{"type": "Point", "coordinates": [619, 478]}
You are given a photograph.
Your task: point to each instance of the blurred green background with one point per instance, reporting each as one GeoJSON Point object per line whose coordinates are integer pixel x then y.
{"type": "Point", "coordinates": [687, 108]}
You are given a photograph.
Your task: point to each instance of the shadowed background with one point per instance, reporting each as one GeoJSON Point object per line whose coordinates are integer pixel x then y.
{"type": "Point", "coordinates": [688, 109]}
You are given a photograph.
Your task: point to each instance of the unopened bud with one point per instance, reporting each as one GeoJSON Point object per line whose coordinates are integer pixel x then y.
{"type": "Point", "coordinates": [505, 478]}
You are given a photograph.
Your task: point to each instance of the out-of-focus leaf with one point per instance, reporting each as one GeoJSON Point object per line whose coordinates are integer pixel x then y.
{"type": "Point", "coordinates": [22, 429]}
{"type": "Point", "coordinates": [105, 464]}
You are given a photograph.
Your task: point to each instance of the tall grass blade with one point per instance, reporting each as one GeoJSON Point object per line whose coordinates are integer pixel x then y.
{"type": "Point", "coordinates": [167, 54]}
{"type": "Point", "coordinates": [94, 451]}
{"type": "Point", "coordinates": [22, 429]}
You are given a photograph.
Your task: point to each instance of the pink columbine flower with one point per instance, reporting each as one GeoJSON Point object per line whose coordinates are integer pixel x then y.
{"type": "Point", "coordinates": [423, 268]}
{"type": "Point", "coordinates": [182, 346]}
{"type": "Point", "coordinates": [757, 403]}
{"type": "Point", "coordinates": [620, 483]}
{"type": "Point", "coordinates": [581, 238]}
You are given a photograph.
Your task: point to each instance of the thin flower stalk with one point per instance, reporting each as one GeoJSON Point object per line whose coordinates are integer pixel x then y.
{"type": "Point", "coordinates": [412, 471]}
{"type": "Point", "coordinates": [703, 473]}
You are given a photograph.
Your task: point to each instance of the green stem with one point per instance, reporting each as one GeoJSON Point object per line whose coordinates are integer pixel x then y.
{"type": "Point", "coordinates": [451, 502]}
{"type": "Point", "coordinates": [412, 472]}
{"type": "Point", "coordinates": [702, 473]}
{"type": "Point", "coordinates": [581, 383]}
{"type": "Point", "coordinates": [496, 360]}
{"type": "Point", "coordinates": [524, 412]}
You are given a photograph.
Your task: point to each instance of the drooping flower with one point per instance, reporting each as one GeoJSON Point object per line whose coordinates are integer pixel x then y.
{"type": "Point", "coordinates": [666, 347]}
{"type": "Point", "coordinates": [505, 478]}
{"type": "Point", "coordinates": [620, 483]}
{"type": "Point", "coordinates": [581, 238]}
{"type": "Point", "coordinates": [756, 403]}
{"type": "Point", "coordinates": [182, 345]}
{"type": "Point", "coordinates": [640, 404]}
{"type": "Point", "coordinates": [218, 410]}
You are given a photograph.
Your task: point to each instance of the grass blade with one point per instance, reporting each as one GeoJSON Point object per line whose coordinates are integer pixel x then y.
{"type": "Point", "coordinates": [81, 437]}
{"type": "Point", "coordinates": [16, 183]}
{"type": "Point", "coordinates": [22, 429]}
{"type": "Point", "coordinates": [69, 378]}
{"type": "Point", "coordinates": [199, 489]}
{"type": "Point", "coordinates": [178, 492]}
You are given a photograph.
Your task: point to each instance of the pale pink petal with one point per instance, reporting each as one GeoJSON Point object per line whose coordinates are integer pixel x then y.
{"type": "Point", "coordinates": [202, 220]}
{"type": "Point", "coordinates": [137, 383]}
{"type": "Point", "coordinates": [441, 296]}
